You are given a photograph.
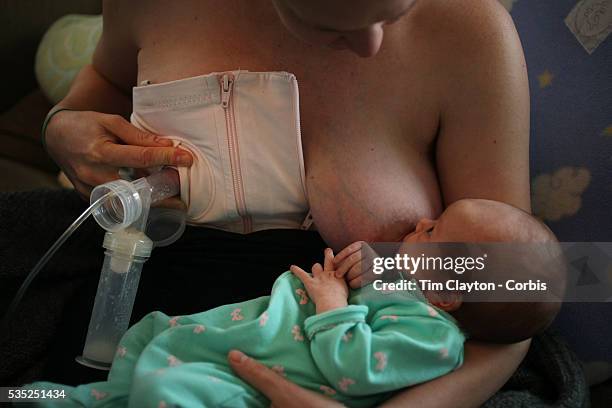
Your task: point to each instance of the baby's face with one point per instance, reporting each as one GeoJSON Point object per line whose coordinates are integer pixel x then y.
{"type": "Point", "coordinates": [463, 221]}
{"type": "Point", "coordinates": [452, 226]}
{"type": "Point", "coordinates": [424, 232]}
{"type": "Point", "coordinates": [458, 223]}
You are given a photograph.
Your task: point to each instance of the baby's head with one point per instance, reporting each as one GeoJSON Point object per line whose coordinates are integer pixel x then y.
{"type": "Point", "coordinates": [486, 221]}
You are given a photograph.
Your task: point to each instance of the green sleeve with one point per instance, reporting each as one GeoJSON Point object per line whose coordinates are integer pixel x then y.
{"type": "Point", "coordinates": [398, 346]}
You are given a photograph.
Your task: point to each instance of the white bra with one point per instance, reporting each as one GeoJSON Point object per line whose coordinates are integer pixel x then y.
{"type": "Point", "coordinates": [243, 129]}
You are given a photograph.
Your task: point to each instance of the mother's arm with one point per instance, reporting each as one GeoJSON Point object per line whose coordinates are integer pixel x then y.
{"type": "Point", "coordinates": [482, 151]}
{"type": "Point", "coordinates": [485, 370]}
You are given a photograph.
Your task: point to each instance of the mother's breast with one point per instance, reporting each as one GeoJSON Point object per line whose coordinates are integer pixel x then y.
{"type": "Point", "coordinates": [373, 193]}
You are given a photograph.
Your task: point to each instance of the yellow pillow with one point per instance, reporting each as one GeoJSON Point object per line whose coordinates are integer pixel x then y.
{"type": "Point", "coordinates": [65, 48]}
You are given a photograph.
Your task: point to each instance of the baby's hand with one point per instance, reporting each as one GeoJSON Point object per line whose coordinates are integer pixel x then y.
{"type": "Point", "coordinates": [326, 290]}
{"type": "Point", "coordinates": [354, 263]}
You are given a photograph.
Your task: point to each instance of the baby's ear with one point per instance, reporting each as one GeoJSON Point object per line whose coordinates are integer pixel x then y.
{"type": "Point", "coordinates": [449, 301]}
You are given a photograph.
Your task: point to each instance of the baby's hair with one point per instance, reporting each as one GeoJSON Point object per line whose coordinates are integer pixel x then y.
{"type": "Point", "coordinates": [509, 322]}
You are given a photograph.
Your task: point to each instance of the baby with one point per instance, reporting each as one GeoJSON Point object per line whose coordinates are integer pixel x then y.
{"type": "Point", "coordinates": [354, 346]}
{"type": "Point", "coordinates": [534, 255]}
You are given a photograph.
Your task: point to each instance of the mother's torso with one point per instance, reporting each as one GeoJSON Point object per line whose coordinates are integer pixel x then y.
{"type": "Point", "coordinates": [368, 125]}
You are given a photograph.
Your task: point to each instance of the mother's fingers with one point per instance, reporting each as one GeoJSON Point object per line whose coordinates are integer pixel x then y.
{"type": "Point", "coordinates": [348, 262]}
{"type": "Point", "coordinates": [84, 190]}
{"type": "Point", "coordinates": [261, 377]}
{"type": "Point", "coordinates": [96, 175]}
{"type": "Point", "coordinates": [132, 135]}
{"type": "Point", "coordinates": [141, 157]}
{"type": "Point", "coordinates": [355, 271]}
{"type": "Point", "coordinates": [280, 391]}
{"type": "Point", "coordinates": [356, 283]}
{"type": "Point", "coordinates": [89, 177]}
{"type": "Point", "coordinates": [352, 248]}
{"type": "Point", "coordinates": [364, 265]}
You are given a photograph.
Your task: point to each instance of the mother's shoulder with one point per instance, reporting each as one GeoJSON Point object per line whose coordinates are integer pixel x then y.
{"type": "Point", "coordinates": [461, 29]}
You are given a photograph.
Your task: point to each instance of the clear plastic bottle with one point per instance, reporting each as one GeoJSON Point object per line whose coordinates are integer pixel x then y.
{"type": "Point", "coordinates": [126, 252]}
{"type": "Point", "coordinates": [124, 215]}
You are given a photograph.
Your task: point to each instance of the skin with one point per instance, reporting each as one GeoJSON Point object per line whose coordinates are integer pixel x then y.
{"type": "Point", "coordinates": [326, 23]}
{"type": "Point", "coordinates": [466, 220]}
{"type": "Point", "coordinates": [455, 224]}
{"type": "Point", "coordinates": [327, 291]}
{"type": "Point", "coordinates": [439, 113]}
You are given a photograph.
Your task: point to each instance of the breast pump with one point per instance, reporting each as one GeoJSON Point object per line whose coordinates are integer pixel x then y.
{"type": "Point", "coordinates": [123, 209]}
{"type": "Point", "coordinates": [123, 214]}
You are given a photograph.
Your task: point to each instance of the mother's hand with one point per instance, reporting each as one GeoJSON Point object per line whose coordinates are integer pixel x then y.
{"type": "Point", "coordinates": [280, 391]}
{"type": "Point", "coordinates": [91, 147]}
{"type": "Point", "coordinates": [485, 370]}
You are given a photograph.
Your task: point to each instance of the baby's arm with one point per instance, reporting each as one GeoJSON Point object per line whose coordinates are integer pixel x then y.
{"type": "Point", "coordinates": [403, 343]}
{"type": "Point", "coordinates": [406, 341]}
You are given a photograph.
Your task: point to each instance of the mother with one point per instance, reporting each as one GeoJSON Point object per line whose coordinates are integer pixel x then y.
{"type": "Point", "coordinates": [439, 113]}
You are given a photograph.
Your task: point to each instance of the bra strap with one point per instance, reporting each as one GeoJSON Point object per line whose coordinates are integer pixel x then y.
{"type": "Point", "coordinates": [307, 223]}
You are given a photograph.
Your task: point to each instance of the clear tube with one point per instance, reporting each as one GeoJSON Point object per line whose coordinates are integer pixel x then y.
{"type": "Point", "coordinates": [50, 252]}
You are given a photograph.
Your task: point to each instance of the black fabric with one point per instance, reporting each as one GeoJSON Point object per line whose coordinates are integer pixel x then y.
{"type": "Point", "coordinates": [550, 376]}
{"type": "Point", "coordinates": [204, 269]}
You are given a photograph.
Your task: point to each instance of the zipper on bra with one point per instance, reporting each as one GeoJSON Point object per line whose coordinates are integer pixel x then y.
{"type": "Point", "coordinates": [227, 103]}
